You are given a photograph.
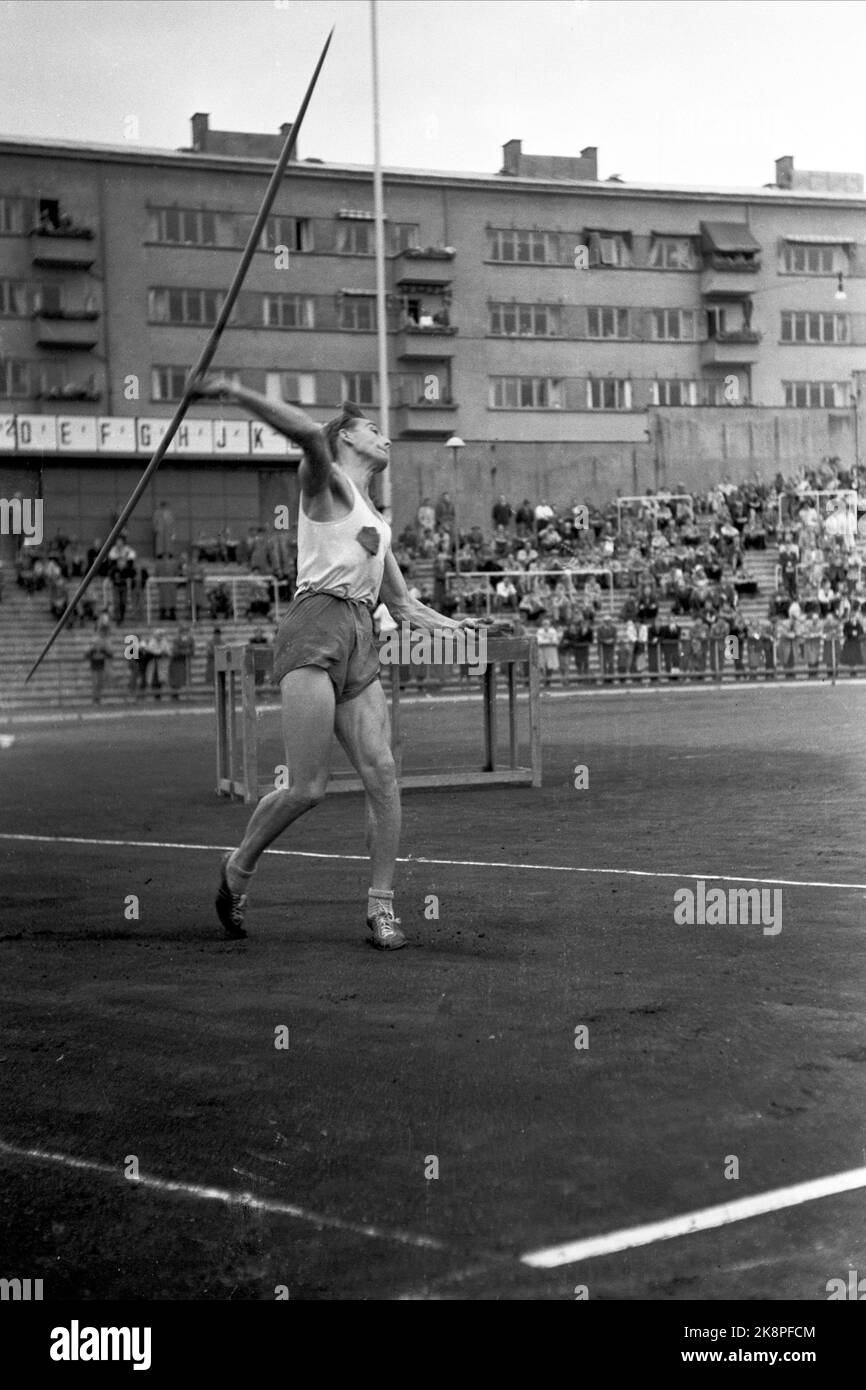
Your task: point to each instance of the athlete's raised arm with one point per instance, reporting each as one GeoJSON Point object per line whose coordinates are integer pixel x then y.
{"type": "Point", "coordinates": [286, 419]}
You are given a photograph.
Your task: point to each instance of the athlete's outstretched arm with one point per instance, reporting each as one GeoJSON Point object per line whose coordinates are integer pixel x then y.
{"type": "Point", "coordinates": [288, 420]}
{"type": "Point", "coordinates": [397, 599]}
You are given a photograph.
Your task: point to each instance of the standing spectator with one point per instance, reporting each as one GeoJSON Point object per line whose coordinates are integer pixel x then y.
{"type": "Point", "coordinates": [768, 643]}
{"type": "Point", "coordinates": [653, 646]}
{"type": "Point", "coordinates": [577, 642]}
{"type": "Point", "coordinates": [230, 543]}
{"type": "Point", "coordinates": [180, 661]}
{"type": "Point", "coordinates": [502, 512]}
{"type": "Point", "coordinates": [216, 640]}
{"type": "Point", "coordinates": [832, 630]}
{"type": "Point", "coordinates": [160, 655]}
{"type": "Point", "coordinates": [259, 552]}
{"type": "Point", "coordinates": [542, 516]}
{"type": "Point", "coordinates": [426, 517]}
{"type": "Point", "coordinates": [787, 645]}
{"type": "Point", "coordinates": [813, 641]}
{"type": "Point", "coordinates": [525, 517]}
{"type": "Point", "coordinates": [606, 634]}
{"type": "Point", "coordinates": [669, 641]}
{"type": "Point", "coordinates": [852, 632]}
{"type": "Point", "coordinates": [162, 524]}
{"type": "Point", "coordinates": [258, 638]}
{"type": "Point", "coordinates": [548, 649]}
{"type": "Point", "coordinates": [97, 655]}
{"type": "Point", "coordinates": [444, 514]}
{"type": "Point", "coordinates": [698, 648]}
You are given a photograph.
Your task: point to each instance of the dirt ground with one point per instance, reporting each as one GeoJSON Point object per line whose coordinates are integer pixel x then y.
{"type": "Point", "coordinates": [154, 1039]}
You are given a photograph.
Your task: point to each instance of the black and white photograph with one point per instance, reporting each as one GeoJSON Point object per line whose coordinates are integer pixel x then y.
{"type": "Point", "coordinates": [432, 667]}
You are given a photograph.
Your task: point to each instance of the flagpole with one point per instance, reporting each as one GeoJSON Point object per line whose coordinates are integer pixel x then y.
{"type": "Point", "coordinates": [381, 301]}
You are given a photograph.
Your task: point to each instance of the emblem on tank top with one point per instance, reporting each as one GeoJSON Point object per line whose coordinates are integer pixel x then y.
{"type": "Point", "coordinates": [369, 539]}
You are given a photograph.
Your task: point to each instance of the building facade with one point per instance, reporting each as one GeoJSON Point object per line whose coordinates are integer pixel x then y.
{"type": "Point", "coordinates": [576, 333]}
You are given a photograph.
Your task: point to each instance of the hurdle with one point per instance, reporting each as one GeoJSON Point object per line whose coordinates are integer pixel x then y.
{"type": "Point", "coordinates": [237, 754]}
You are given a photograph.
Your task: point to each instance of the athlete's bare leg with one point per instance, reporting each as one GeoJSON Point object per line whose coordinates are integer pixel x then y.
{"type": "Point", "coordinates": [308, 733]}
{"type": "Point", "coordinates": [363, 728]}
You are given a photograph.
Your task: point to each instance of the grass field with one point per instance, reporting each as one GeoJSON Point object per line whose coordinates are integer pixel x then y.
{"type": "Point", "coordinates": [154, 1039]}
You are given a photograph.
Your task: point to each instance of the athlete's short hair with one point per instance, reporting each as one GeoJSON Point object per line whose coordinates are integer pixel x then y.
{"type": "Point", "coordinates": [348, 412]}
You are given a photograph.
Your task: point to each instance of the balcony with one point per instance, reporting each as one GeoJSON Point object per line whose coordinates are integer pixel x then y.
{"type": "Point", "coordinates": [69, 330]}
{"type": "Point", "coordinates": [734, 349]}
{"type": "Point", "coordinates": [71, 392]}
{"type": "Point", "coordinates": [429, 263]}
{"type": "Point", "coordinates": [68, 249]}
{"type": "Point", "coordinates": [723, 279]}
{"type": "Point", "coordinates": [433, 341]}
{"type": "Point", "coordinates": [427, 420]}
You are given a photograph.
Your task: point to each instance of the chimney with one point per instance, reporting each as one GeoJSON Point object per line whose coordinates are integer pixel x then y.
{"type": "Point", "coordinates": [590, 154]}
{"type": "Point", "coordinates": [285, 132]}
{"type": "Point", "coordinates": [511, 157]}
{"type": "Point", "coordinates": [785, 171]}
{"type": "Point", "coordinates": [199, 130]}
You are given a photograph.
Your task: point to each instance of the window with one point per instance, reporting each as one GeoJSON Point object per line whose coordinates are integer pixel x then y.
{"type": "Point", "coordinates": [609, 248]}
{"type": "Point", "coordinates": [298, 388]}
{"type": "Point", "coordinates": [674, 392]}
{"type": "Point", "coordinates": [183, 227]}
{"type": "Point", "coordinates": [358, 312]}
{"type": "Point", "coordinates": [826, 394]}
{"type": "Point", "coordinates": [525, 248]}
{"type": "Point", "coordinates": [287, 311]}
{"type": "Point", "coordinates": [402, 236]}
{"type": "Point", "coordinates": [809, 260]}
{"type": "Point", "coordinates": [607, 323]}
{"type": "Point", "coordinates": [673, 325]}
{"type": "Point", "coordinates": [14, 378]}
{"type": "Point", "coordinates": [356, 239]}
{"type": "Point", "coordinates": [184, 306]}
{"type": "Point", "coordinates": [608, 393]}
{"type": "Point", "coordinates": [672, 253]}
{"type": "Point", "coordinates": [16, 216]}
{"type": "Point", "coordinates": [48, 376]}
{"type": "Point", "coordinates": [14, 299]}
{"type": "Point", "coordinates": [167, 383]}
{"type": "Point", "coordinates": [360, 387]}
{"type": "Point", "coordinates": [803, 327]}
{"type": "Point", "coordinates": [525, 393]}
{"type": "Point", "coordinates": [524, 320]}
{"type": "Point", "coordinates": [294, 232]}
{"type": "Point", "coordinates": [422, 388]}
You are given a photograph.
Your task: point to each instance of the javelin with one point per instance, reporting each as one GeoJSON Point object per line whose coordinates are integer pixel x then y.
{"type": "Point", "coordinates": [204, 360]}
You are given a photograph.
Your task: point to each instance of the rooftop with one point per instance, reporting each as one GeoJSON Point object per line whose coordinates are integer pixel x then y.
{"type": "Point", "coordinates": [133, 153]}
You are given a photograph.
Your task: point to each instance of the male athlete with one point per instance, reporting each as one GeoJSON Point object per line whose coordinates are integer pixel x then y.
{"type": "Point", "coordinates": [325, 659]}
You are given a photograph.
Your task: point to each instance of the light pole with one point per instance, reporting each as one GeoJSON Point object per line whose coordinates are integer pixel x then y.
{"type": "Point", "coordinates": [455, 444]}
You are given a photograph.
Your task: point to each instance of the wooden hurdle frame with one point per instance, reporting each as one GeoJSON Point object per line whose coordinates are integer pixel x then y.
{"type": "Point", "coordinates": [235, 670]}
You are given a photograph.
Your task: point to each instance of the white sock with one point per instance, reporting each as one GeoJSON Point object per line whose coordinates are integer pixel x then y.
{"type": "Point", "coordinates": [236, 877]}
{"type": "Point", "coordinates": [379, 897]}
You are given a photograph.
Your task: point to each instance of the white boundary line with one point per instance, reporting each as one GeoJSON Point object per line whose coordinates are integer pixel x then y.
{"type": "Point", "coordinates": [451, 863]}
{"type": "Point", "coordinates": [87, 716]}
{"type": "Point", "coordinates": [221, 1194]}
{"type": "Point", "coordinates": [706, 1219]}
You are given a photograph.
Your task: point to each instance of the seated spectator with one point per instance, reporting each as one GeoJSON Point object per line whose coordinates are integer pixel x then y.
{"type": "Point", "coordinates": [219, 602]}
{"type": "Point", "coordinates": [260, 602]}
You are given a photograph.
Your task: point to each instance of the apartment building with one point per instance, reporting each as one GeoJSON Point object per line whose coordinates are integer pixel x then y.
{"type": "Point", "coordinates": [548, 317]}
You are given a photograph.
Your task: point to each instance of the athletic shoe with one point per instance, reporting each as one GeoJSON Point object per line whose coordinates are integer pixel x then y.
{"type": "Point", "coordinates": [231, 907]}
{"type": "Point", "coordinates": [385, 927]}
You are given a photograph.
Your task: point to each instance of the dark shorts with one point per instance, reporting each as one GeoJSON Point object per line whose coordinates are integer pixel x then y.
{"type": "Point", "coordinates": [335, 634]}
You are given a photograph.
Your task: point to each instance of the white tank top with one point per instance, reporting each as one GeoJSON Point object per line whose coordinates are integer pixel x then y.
{"type": "Point", "coordinates": [332, 557]}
